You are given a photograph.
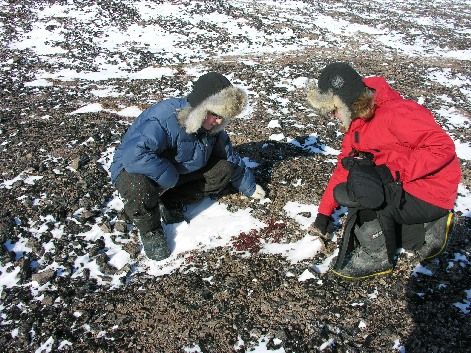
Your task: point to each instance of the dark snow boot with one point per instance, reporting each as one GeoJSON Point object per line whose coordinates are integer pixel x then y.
{"type": "Point", "coordinates": [171, 214]}
{"type": "Point", "coordinates": [155, 244]}
{"type": "Point", "coordinates": [371, 257]}
{"type": "Point", "coordinates": [436, 237]}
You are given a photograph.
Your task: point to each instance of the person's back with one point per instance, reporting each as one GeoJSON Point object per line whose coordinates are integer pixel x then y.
{"type": "Point", "coordinates": [162, 115]}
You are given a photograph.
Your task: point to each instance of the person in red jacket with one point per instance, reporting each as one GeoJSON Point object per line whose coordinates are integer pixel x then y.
{"type": "Point", "coordinates": [397, 170]}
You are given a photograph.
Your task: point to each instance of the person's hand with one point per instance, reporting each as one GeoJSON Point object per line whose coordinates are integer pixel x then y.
{"type": "Point", "coordinates": [323, 224]}
{"type": "Point", "coordinates": [218, 176]}
{"type": "Point", "coordinates": [259, 193]}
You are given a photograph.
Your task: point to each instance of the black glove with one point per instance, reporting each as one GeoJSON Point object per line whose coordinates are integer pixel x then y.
{"type": "Point", "coordinates": [216, 184]}
{"type": "Point", "coordinates": [393, 191]}
{"type": "Point", "coordinates": [324, 224]}
{"type": "Point", "coordinates": [218, 176]}
{"type": "Point", "coordinates": [171, 215]}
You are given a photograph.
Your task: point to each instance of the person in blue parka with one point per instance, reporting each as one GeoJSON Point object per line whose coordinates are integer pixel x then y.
{"type": "Point", "coordinates": [176, 152]}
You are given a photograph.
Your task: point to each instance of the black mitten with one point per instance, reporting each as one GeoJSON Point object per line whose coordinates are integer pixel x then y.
{"type": "Point", "coordinates": [384, 174]}
{"type": "Point", "coordinates": [218, 176]}
{"type": "Point", "coordinates": [351, 161]}
{"type": "Point", "coordinates": [365, 186]}
{"type": "Point", "coordinates": [324, 224]}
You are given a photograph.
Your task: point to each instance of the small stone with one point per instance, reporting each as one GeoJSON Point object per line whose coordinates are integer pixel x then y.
{"type": "Point", "coordinates": [43, 276]}
{"type": "Point", "coordinates": [120, 227]}
{"type": "Point", "coordinates": [105, 228]}
{"type": "Point", "coordinates": [75, 165]}
{"type": "Point", "coordinates": [86, 215]}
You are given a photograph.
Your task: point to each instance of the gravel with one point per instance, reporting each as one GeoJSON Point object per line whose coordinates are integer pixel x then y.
{"type": "Point", "coordinates": [220, 297]}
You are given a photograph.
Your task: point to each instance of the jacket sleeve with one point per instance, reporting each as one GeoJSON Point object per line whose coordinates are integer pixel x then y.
{"type": "Point", "coordinates": [242, 177]}
{"type": "Point", "coordinates": [429, 146]}
{"type": "Point", "coordinates": [328, 203]}
{"type": "Point", "coordinates": [142, 155]}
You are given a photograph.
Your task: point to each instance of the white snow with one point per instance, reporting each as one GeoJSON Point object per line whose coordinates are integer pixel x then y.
{"type": "Point", "coordinates": [463, 150]}
{"type": "Point", "coordinates": [463, 202]}
{"type": "Point", "coordinates": [465, 306]}
{"type": "Point", "coordinates": [423, 270]}
{"type": "Point", "coordinates": [306, 275]}
{"type": "Point", "coordinates": [89, 108]}
{"type": "Point", "coordinates": [261, 347]}
{"type": "Point", "coordinates": [46, 346]}
{"type": "Point", "coordinates": [132, 111]}
{"type": "Point", "coordinates": [27, 179]}
{"type": "Point", "coordinates": [8, 276]}
{"type": "Point", "coordinates": [305, 248]}
{"type": "Point", "coordinates": [39, 83]}
{"type": "Point", "coordinates": [274, 124]}
{"type": "Point", "coordinates": [453, 116]}
{"type": "Point", "coordinates": [301, 213]}
{"type": "Point", "coordinates": [324, 266]}
{"type": "Point", "coordinates": [179, 52]}
{"type": "Point", "coordinates": [225, 225]}
{"type": "Point", "coordinates": [277, 137]}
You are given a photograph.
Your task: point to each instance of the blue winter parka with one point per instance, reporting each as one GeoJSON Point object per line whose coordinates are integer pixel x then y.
{"type": "Point", "coordinates": [159, 147]}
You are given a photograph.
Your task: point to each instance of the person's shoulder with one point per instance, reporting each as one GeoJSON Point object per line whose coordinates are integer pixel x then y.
{"type": "Point", "coordinates": [375, 81]}
{"type": "Point", "coordinates": [383, 90]}
{"type": "Point", "coordinates": [403, 110]}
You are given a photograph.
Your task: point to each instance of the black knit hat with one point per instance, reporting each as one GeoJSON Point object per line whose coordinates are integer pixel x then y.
{"type": "Point", "coordinates": [343, 80]}
{"type": "Point", "coordinates": [207, 85]}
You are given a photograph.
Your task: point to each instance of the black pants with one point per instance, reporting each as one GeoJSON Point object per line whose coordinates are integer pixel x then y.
{"type": "Point", "coordinates": [141, 195]}
{"type": "Point", "coordinates": [402, 217]}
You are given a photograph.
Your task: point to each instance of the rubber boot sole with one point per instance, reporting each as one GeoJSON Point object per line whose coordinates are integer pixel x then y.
{"type": "Point", "coordinates": [352, 278]}
{"type": "Point", "coordinates": [448, 229]}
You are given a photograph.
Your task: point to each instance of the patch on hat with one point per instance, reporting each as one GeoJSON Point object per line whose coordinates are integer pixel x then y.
{"type": "Point", "coordinates": [343, 80]}
{"type": "Point", "coordinates": [337, 81]}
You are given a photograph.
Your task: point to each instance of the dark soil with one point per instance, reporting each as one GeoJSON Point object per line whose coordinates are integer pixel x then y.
{"type": "Point", "coordinates": [248, 296]}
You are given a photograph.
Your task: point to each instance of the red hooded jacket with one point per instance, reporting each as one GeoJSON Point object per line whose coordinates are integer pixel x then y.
{"type": "Point", "coordinates": [405, 136]}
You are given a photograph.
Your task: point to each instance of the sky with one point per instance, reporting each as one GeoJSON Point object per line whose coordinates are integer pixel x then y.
{"type": "Point", "coordinates": [178, 48]}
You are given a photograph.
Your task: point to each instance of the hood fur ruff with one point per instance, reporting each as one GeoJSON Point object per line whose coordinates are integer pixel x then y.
{"type": "Point", "coordinates": [228, 103]}
{"type": "Point", "coordinates": [328, 102]}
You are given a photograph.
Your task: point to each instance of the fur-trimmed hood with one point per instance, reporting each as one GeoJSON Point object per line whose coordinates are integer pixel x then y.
{"type": "Point", "coordinates": [228, 103]}
{"type": "Point", "coordinates": [327, 102]}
